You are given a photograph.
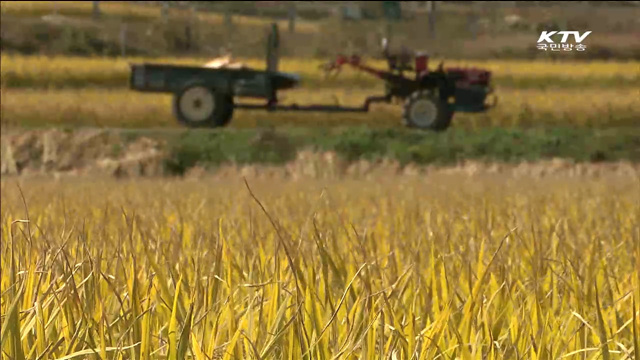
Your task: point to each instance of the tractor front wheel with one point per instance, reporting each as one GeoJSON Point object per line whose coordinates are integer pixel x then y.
{"type": "Point", "coordinates": [199, 106]}
{"type": "Point", "coordinates": [426, 111]}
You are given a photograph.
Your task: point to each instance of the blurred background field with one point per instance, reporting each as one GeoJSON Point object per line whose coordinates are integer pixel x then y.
{"type": "Point", "coordinates": [76, 91]}
{"type": "Point", "coordinates": [69, 72]}
{"type": "Point", "coordinates": [478, 29]}
{"type": "Point", "coordinates": [64, 65]}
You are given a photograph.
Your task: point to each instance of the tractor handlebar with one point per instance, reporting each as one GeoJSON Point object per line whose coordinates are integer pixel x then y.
{"type": "Point", "coordinates": [340, 60]}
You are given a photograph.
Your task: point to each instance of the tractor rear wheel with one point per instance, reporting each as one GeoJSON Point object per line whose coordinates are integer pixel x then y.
{"type": "Point", "coordinates": [199, 106]}
{"type": "Point", "coordinates": [426, 111]}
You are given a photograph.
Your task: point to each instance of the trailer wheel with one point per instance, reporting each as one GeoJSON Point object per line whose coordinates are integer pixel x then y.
{"type": "Point", "coordinates": [426, 111]}
{"type": "Point", "coordinates": [200, 106]}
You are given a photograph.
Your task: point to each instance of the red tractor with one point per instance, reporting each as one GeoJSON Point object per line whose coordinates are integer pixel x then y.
{"type": "Point", "coordinates": [430, 98]}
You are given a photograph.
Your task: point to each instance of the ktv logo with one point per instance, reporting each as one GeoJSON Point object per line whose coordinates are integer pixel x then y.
{"type": "Point", "coordinates": [545, 38]}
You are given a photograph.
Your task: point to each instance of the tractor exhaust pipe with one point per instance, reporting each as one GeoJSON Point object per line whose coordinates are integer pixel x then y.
{"type": "Point", "coordinates": [273, 45]}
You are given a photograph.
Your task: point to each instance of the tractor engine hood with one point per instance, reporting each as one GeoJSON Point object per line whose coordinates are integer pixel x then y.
{"type": "Point", "coordinates": [469, 76]}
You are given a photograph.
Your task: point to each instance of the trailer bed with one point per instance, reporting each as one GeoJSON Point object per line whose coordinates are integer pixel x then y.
{"type": "Point", "coordinates": [244, 82]}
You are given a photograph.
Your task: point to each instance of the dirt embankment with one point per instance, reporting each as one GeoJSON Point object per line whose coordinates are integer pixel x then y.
{"type": "Point", "coordinates": [108, 153]}
{"type": "Point", "coordinates": [96, 152]}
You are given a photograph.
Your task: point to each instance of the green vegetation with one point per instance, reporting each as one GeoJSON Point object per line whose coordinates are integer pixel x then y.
{"type": "Point", "coordinates": [212, 148]}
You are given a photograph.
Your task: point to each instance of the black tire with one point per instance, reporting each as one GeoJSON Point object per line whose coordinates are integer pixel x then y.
{"type": "Point", "coordinates": [198, 106]}
{"type": "Point", "coordinates": [436, 113]}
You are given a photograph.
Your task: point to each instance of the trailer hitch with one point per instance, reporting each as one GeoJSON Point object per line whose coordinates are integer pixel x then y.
{"type": "Point", "coordinates": [317, 108]}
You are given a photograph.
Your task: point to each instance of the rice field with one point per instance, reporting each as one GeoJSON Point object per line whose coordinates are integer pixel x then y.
{"type": "Point", "coordinates": [63, 72]}
{"type": "Point", "coordinates": [127, 109]}
{"type": "Point", "coordinates": [42, 91]}
{"type": "Point", "coordinates": [440, 267]}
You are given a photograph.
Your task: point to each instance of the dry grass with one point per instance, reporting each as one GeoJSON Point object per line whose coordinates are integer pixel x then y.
{"type": "Point", "coordinates": [435, 268]}
{"type": "Point", "coordinates": [615, 30]}
{"type": "Point", "coordinates": [120, 108]}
